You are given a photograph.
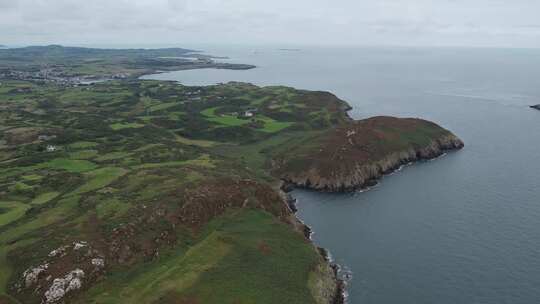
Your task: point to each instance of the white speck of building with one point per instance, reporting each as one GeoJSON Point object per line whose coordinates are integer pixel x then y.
{"type": "Point", "coordinates": [51, 148]}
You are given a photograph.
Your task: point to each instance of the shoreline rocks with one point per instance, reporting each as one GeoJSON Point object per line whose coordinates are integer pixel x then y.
{"type": "Point", "coordinates": [335, 291]}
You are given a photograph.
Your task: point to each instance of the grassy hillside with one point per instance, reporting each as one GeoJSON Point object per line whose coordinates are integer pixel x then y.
{"type": "Point", "coordinates": [155, 192]}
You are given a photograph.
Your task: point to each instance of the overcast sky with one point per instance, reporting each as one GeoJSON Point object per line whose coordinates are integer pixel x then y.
{"type": "Point", "coordinates": [511, 23]}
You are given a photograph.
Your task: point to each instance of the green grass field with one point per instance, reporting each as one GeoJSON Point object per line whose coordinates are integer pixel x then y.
{"type": "Point", "coordinates": [162, 106]}
{"type": "Point", "coordinates": [272, 126]}
{"type": "Point", "coordinates": [32, 177]}
{"type": "Point", "coordinates": [269, 125]}
{"type": "Point", "coordinates": [83, 145]}
{"type": "Point", "coordinates": [11, 211]}
{"type": "Point", "coordinates": [70, 165]}
{"type": "Point", "coordinates": [202, 161]}
{"type": "Point", "coordinates": [111, 208]}
{"type": "Point", "coordinates": [83, 154]}
{"type": "Point", "coordinates": [227, 120]}
{"type": "Point", "coordinates": [195, 142]}
{"type": "Point", "coordinates": [100, 178]}
{"type": "Point", "coordinates": [44, 198]}
{"type": "Point", "coordinates": [112, 156]}
{"type": "Point", "coordinates": [121, 126]}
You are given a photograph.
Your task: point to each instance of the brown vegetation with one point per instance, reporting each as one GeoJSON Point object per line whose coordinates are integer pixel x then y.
{"type": "Point", "coordinates": [356, 154]}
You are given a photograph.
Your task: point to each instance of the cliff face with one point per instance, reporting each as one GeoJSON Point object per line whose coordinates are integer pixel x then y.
{"type": "Point", "coordinates": [324, 283]}
{"type": "Point", "coordinates": [356, 155]}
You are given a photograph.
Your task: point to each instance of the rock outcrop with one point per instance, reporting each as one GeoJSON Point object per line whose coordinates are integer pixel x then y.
{"type": "Point", "coordinates": [62, 274]}
{"type": "Point", "coordinates": [357, 155]}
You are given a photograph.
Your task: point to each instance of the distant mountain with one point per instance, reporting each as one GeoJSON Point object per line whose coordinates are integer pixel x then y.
{"type": "Point", "coordinates": [64, 63]}
{"type": "Point", "coordinates": [537, 107]}
{"type": "Point", "coordinates": [52, 52]}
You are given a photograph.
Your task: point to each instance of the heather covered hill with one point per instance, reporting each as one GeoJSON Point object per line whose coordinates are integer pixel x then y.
{"type": "Point", "coordinates": [356, 154]}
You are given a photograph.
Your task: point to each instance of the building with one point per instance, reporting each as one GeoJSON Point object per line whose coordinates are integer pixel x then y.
{"type": "Point", "coordinates": [249, 113]}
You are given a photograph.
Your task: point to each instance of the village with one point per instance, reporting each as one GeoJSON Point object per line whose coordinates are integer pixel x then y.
{"type": "Point", "coordinates": [56, 76]}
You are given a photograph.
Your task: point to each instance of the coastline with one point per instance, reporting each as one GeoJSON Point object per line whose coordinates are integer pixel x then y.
{"type": "Point", "coordinates": [429, 153]}
{"type": "Point", "coordinates": [438, 148]}
{"type": "Point", "coordinates": [286, 188]}
{"type": "Point", "coordinates": [340, 288]}
{"type": "Point", "coordinates": [215, 65]}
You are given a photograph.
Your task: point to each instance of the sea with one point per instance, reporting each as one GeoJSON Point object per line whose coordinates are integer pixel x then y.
{"type": "Point", "coordinates": [464, 228]}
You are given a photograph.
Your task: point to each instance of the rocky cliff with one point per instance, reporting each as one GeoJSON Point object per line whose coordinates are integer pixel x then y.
{"type": "Point", "coordinates": [355, 155]}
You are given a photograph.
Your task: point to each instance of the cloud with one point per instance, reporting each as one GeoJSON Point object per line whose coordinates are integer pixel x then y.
{"type": "Point", "coordinates": [378, 22]}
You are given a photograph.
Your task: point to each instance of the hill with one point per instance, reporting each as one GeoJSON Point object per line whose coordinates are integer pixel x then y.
{"type": "Point", "coordinates": [55, 63]}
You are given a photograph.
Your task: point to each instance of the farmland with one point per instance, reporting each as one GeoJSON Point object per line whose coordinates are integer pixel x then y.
{"type": "Point", "coordinates": [167, 184]}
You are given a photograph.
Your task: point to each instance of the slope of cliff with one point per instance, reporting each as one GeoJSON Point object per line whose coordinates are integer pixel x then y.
{"type": "Point", "coordinates": [356, 154]}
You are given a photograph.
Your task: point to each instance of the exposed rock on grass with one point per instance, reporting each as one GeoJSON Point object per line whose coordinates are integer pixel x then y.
{"type": "Point", "coordinates": [31, 275]}
{"type": "Point", "coordinates": [61, 286]}
{"type": "Point", "coordinates": [63, 273]}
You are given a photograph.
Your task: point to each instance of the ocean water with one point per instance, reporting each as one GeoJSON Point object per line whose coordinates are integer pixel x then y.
{"type": "Point", "coordinates": [464, 228]}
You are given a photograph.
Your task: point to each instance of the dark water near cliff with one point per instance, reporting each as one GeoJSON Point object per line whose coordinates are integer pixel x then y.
{"type": "Point", "coordinates": [462, 229]}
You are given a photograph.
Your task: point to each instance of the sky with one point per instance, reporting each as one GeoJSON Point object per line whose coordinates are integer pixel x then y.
{"type": "Point", "coordinates": [477, 23]}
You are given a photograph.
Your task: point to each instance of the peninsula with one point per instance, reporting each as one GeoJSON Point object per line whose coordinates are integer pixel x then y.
{"type": "Point", "coordinates": [356, 154]}
{"type": "Point", "coordinates": [536, 107]}
{"type": "Point", "coordinates": [76, 65]}
{"type": "Point", "coordinates": [142, 191]}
